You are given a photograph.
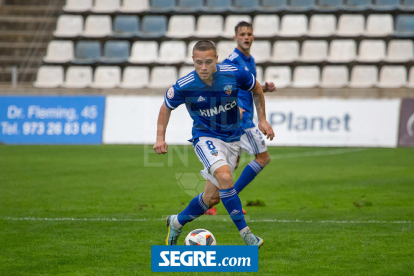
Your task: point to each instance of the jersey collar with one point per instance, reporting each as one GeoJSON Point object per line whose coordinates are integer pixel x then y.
{"type": "Point", "coordinates": [201, 84]}
{"type": "Point", "coordinates": [243, 56]}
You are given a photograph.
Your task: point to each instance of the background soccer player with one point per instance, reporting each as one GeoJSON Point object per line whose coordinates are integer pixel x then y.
{"type": "Point", "coordinates": [252, 142]}
{"type": "Point", "coordinates": [210, 95]}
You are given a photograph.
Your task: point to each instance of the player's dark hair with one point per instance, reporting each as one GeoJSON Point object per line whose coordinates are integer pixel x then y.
{"type": "Point", "coordinates": [242, 24]}
{"type": "Point", "coordinates": [205, 45]}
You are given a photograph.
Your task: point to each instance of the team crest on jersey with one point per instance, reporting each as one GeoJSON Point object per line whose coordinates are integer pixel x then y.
{"type": "Point", "coordinates": [214, 152]}
{"type": "Point", "coordinates": [228, 89]}
{"type": "Point", "coordinates": [170, 93]}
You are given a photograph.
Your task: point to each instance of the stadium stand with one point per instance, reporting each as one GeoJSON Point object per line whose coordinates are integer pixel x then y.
{"type": "Point", "coordinates": [125, 26]}
{"type": "Point", "coordinates": [266, 25]}
{"type": "Point", "coordinates": [352, 43]}
{"type": "Point", "coordinates": [78, 77]}
{"type": "Point", "coordinates": [135, 77]}
{"type": "Point", "coordinates": [107, 77]}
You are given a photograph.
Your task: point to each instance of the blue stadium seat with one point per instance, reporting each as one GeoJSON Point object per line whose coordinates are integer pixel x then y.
{"type": "Point", "coordinates": [301, 5]}
{"type": "Point", "coordinates": [273, 5]}
{"type": "Point", "coordinates": [126, 26]}
{"type": "Point", "coordinates": [329, 5]}
{"type": "Point", "coordinates": [404, 26]}
{"type": "Point", "coordinates": [153, 26]}
{"type": "Point", "coordinates": [189, 5]}
{"type": "Point", "coordinates": [245, 5]}
{"type": "Point", "coordinates": [217, 5]}
{"type": "Point", "coordinates": [386, 5]}
{"type": "Point", "coordinates": [87, 52]}
{"type": "Point", "coordinates": [407, 5]}
{"type": "Point", "coordinates": [162, 5]}
{"type": "Point", "coordinates": [357, 5]}
{"type": "Point", "coordinates": [116, 51]}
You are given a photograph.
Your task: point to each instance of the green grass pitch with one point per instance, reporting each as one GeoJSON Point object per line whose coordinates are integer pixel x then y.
{"type": "Point", "coordinates": [328, 211]}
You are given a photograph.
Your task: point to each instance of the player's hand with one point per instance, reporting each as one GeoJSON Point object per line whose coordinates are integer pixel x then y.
{"type": "Point", "coordinates": [269, 87]}
{"type": "Point", "coordinates": [160, 147]}
{"type": "Point", "coordinates": [241, 112]}
{"type": "Point", "coordinates": [267, 130]}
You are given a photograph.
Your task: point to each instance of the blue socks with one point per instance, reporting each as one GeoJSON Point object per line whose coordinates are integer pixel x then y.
{"type": "Point", "coordinates": [196, 208]}
{"type": "Point", "coordinates": [232, 202]}
{"type": "Point", "coordinates": [247, 176]}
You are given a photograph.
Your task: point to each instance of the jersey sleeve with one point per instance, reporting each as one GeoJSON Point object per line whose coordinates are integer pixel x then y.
{"type": "Point", "coordinates": [173, 97]}
{"type": "Point", "coordinates": [245, 79]}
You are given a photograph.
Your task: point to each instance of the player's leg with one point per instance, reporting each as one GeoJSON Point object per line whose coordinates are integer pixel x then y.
{"type": "Point", "coordinates": [197, 207]}
{"type": "Point", "coordinates": [253, 143]}
{"type": "Point", "coordinates": [232, 203]}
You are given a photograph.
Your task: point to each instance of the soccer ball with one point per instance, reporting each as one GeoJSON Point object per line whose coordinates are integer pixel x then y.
{"type": "Point", "coordinates": [200, 237]}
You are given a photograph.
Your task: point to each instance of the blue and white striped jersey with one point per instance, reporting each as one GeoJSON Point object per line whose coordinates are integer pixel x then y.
{"type": "Point", "coordinates": [214, 109]}
{"type": "Point", "coordinates": [245, 97]}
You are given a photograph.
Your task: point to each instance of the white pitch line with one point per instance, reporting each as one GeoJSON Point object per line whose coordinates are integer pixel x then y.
{"type": "Point", "coordinates": [315, 153]}
{"type": "Point", "coordinates": [259, 220]}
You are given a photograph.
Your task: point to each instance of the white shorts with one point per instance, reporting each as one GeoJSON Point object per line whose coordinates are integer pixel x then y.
{"type": "Point", "coordinates": [253, 141]}
{"type": "Point", "coordinates": [210, 150]}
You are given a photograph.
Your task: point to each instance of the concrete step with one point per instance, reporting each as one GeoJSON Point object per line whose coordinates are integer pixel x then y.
{"type": "Point", "coordinates": [35, 11]}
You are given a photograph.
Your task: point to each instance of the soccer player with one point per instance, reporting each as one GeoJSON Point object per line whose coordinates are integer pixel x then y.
{"type": "Point", "coordinates": [210, 95]}
{"type": "Point", "coordinates": [252, 142]}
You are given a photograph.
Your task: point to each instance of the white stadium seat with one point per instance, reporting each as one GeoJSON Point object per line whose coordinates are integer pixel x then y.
{"type": "Point", "coordinates": [106, 6]}
{"type": "Point", "coordinates": [189, 58]}
{"type": "Point", "coordinates": [144, 52]}
{"type": "Point", "coordinates": [351, 25]}
{"type": "Point", "coordinates": [185, 70]}
{"type": "Point", "coordinates": [59, 51]}
{"type": "Point", "coordinates": [265, 25]}
{"type": "Point", "coordinates": [371, 51]}
{"type": "Point", "coordinates": [379, 25]}
{"type": "Point", "coordinates": [410, 82]}
{"type": "Point", "coordinates": [293, 25]}
{"type": "Point", "coordinates": [98, 26]}
{"type": "Point", "coordinates": [279, 75]}
{"type": "Point", "coordinates": [181, 26]}
{"type": "Point", "coordinates": [163, 77]}
{"type": "Point", "coordinates": [77, 5]}
{"type": "Point", "coordinates": [260, 51]}
{"type": "Point", "coordinates": [78, 77]}
{"type": "Point", "coordinates": [49, 77]}
{"type": "Point", "coordinates": [322, 25]}
{"type": "Point", "coordinates": [224, 49]}
{"type": "Point", "coordinates": [392, 77]}
{"type": "Point", "coordinates": [107, 77]}
{"type": "Point", "coordinates": [259, 74]}
{"type": "Point", "coordinates": [134, 6]}
{"type": "Point", "coordinates": [231, 22]}
{"type": "Point", "coordinates": [135, 77]}
{"type": "Point", "coordinates": [400, 50]}
{"type": "Point", "coordinates": [314, 51]}
{"type": "Point", "coordinates": [363, 76]}
{"type": "Point", "coordinates": [334, 77]}
{"type": "Point", "coordinates": [306, 76]}
{"type": "Point", "coordinates": [209, 26]}
{"type": "Point", "coordinates": [342, 50]}
{"type": "Point", "coordinates": [69, 26]}
{"type": "Point", "coordinates": [172, 52]}
{"type": "Point", "coordinates": [285, 51]}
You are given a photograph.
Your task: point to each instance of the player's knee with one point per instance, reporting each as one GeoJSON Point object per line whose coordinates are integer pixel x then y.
{"type": "Point", "coordinates": [224, 177]}
{"type": "Point", "coordinates": [263, 160]}
{"type": "Point", "coordinates": [237, 165]}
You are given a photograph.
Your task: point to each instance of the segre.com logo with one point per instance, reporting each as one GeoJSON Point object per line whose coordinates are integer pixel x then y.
{"type": "Point", "coordinates": [220, 258]}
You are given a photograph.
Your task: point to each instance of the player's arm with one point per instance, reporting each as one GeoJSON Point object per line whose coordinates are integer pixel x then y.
{"type": "Point", "coordinates": [160, 146]}
{"type": "Point", "coordinates": [259, 102]}
{"type": "Point", "coordinates": [268, 87]}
